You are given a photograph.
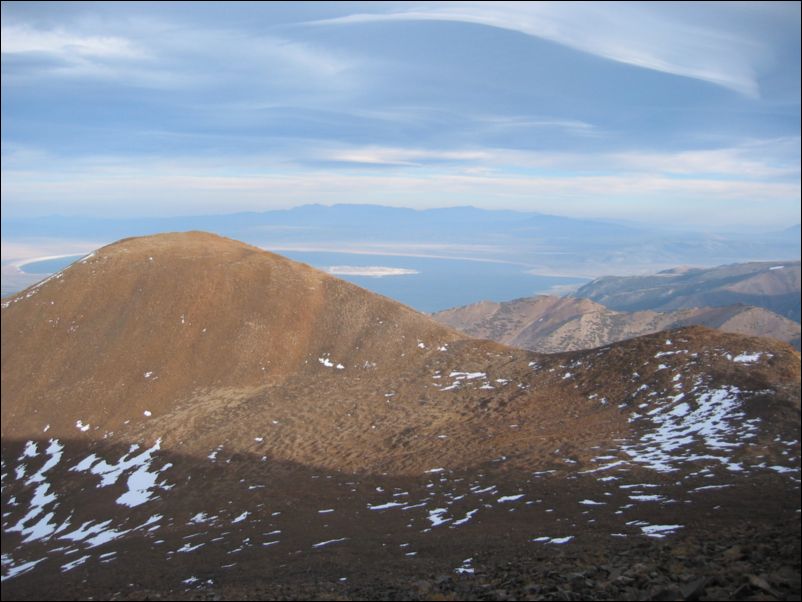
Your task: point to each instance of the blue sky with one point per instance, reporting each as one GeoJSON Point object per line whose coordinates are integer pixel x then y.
{"type": "Point", "coordinates": [685, 114]}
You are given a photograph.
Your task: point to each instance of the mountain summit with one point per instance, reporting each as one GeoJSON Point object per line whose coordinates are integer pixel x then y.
{"type": "Point", "coordinates": [145, 322]}
{"type": "Point", "coordinates": [185, 411]}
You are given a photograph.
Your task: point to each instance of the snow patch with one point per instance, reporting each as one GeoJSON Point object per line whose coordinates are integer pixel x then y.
{"type": "Point", "coordinates": [328, 542]}
{"type": "Point", "coordinates": [553, 540]}
{"type": "Point", "coordinates": [747, 358]}
{"type": "Point", "coordinates": [240, 518]}
{"type": "Point", "coordinates": [385, 506]}
{"type": "Point", "coordinates": [717, 423]}
{"type": "Point", "coordinates": [436, 517]}
{"type": "Point", "coordinates": [141, 482]}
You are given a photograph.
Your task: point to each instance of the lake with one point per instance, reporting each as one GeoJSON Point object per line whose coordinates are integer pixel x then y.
{"type": "Point", "coordinates": [437, 284]}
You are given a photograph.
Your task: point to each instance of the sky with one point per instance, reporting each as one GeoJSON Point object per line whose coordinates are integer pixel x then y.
{"type": "Point", "coordinates": [665, 113]}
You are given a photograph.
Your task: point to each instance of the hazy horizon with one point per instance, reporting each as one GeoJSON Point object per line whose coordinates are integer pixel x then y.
{"type": "Point", "coordinates": [222, 211]}
{"type": "Point", "coordinates": [429, 259]}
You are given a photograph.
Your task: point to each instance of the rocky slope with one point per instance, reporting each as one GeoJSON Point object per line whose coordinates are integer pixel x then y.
{"type": "Point", "coordinates": [771, 285]}
{"type": "Point", "coordinates": [553, 324]}
{"type": "Point", "coordinates": [185, 416]}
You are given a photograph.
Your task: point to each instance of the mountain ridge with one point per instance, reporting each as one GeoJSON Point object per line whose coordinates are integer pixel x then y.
{"type": "Point", "coordinates": [551, 324]}
{"type": "Point", "coordinates": [773, 285]}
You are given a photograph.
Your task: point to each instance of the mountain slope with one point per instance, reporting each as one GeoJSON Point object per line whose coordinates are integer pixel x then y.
{"type": "Point", "coordinates": [232, 316]}
{"type": "Point", "coordinates": [208, 341]}
{"type": "Point", "coordinates": [772, 285]}
{"type": "Point", "coordinates": [185, 416]}
{"type": "Point", "coordinates": [553, 324]}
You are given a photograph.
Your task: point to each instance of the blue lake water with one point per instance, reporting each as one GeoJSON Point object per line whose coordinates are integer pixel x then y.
{"type": "Point", "coordinates": [439, 283]}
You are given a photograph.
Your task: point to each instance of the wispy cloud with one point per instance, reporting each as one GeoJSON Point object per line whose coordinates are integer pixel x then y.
{"type": "Point", "coordinates": [508, 123]}
{"type": "Point", "coordinates": [756, 160]}
{"type": "Point", "coordinates": [766, 160]}
{"type": "Point", "coordinates": [644, 35]}
{"type": "Point", "coordinates": [749, 161]}
{"type": "Point", "coordinates": [375, 155]}
{"type": "Point", "coordinates": [162, 55]}
{"type": "Point", "coordinates": [43, 55]}
{"type": "Point", "coordinates": [69, 46]}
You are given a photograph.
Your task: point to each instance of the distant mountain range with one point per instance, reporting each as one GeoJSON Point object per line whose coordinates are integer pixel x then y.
{"type": "Point", "coordinates": [756, 298]}
{"type": "Point", "coordinates": [772, 285]}
{"type": "Point", "coordinates": [548, 244]}
{"type": "Point", "coordinates": [553, 324]}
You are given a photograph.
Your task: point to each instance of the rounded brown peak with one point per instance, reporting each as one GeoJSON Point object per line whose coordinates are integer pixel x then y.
{"type": "Point", "coordinates": [195, 241]}
{"type": "Point", "coordinates": [186, 256]}
{"type": "Point", "coordinates": [146, 321]}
